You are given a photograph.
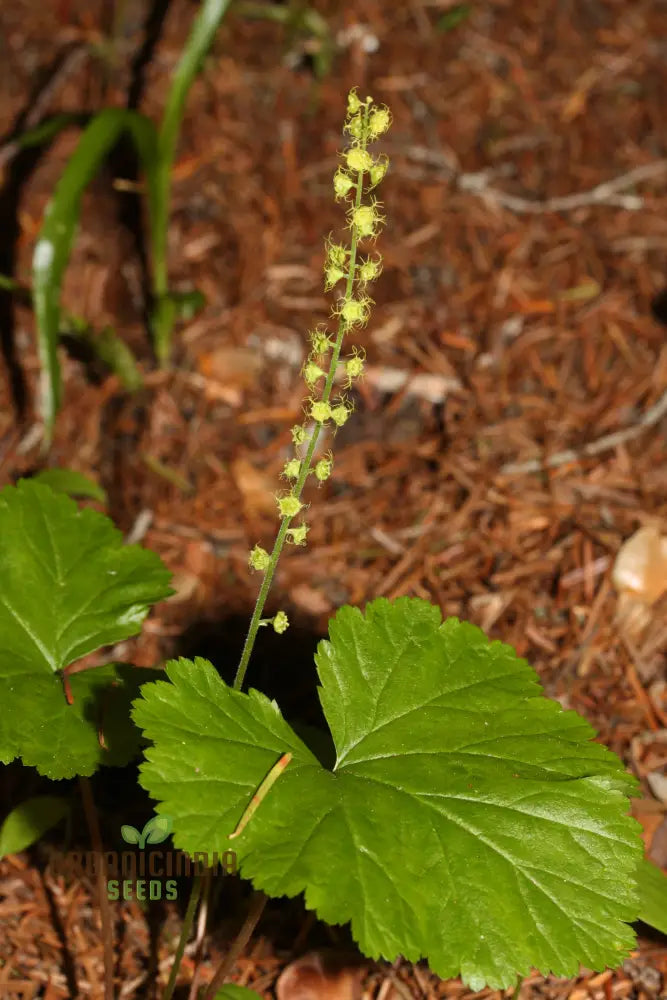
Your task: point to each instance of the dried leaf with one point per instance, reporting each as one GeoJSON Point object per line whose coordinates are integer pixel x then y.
{"type": "Point", "coordinates": [641, 565]}
{"type": "Point", "coordinates": [320, 976]}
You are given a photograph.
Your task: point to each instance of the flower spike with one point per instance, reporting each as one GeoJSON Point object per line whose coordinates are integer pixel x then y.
{"type": "Point", "coordinates": [359, 172]}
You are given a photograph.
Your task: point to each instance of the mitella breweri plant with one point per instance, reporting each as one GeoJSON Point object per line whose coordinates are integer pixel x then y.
{"type": "Point", "coordinates": [467, 819]}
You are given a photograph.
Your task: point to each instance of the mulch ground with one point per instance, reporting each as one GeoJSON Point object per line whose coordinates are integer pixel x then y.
{"type": "Point", "coordinates": [509, 435]}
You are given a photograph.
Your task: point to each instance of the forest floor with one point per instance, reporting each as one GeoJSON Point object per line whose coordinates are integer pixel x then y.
{"type": "Point", "coordinates": [520, 314]}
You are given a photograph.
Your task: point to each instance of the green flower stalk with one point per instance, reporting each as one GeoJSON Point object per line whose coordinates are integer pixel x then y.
{"type": "Point", "coordinates": [358, 174]}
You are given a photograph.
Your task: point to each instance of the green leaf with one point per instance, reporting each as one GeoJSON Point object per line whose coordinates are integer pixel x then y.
{"type": "Point", "coordinates": [26, 824]}
{"type": "Point", "coordinates": [68, 585]}
{"type": "Point", "coordinates": [188, 304]}
{"type": "Point", "coordinates": [201, 36]}
{"type": "Point", "coordinates": [157, 830]}
{"type": "Point", "coordinates": [130, 834]}
{"type": "Point", "coordinates": [47, 130]}
{"type": "Point", "coordinates": [298, 19]}
{"type": "Point", "coordinates": [56, 236]}
{"type": "Point", "coordinates": [467, 819]}
{"type": "Point", "coordinates": [652, 883]}
{"type": "Point", "coordinates": [230, 991]}
{"type": "Point", "coordinates": [71, 482]}
{"type": "Point", "coordinates": [106, 345]}
{"type": "Point", "coordinates": [453, 17]}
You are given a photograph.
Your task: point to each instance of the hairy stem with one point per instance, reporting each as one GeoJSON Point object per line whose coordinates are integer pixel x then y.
{"type": "Point", "coordinates": [305, 465]}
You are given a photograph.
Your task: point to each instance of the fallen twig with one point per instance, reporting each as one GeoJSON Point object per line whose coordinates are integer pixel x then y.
{"type": "Point", "coordinates": [608, 441]}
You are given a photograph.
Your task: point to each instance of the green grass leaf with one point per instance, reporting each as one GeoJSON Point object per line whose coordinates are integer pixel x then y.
{"type": "Point", "coordinates": [54, 244]}
{"type": "Point", "coordinates": [68, 585]}
{"type": "Point", "coordinates": [26, 824]}
{"type": "Point", "coordinates": [199, 41]}
{"type": "Point", "coordinates": [453, 17]}
{"type": "Point", "coordinates": [467, 819]}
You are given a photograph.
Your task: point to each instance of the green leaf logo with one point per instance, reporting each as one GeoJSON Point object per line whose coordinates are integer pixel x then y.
{"type": "Point", "coordinates": [155, 832]}
{"type": "Point", "coordinates": [130, 834]}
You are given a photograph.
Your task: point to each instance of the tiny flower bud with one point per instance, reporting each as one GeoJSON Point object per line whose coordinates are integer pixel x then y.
{"type": "Point", "coordinates": [359, 159]}
{"type": "Point", "coordinates": [320, 411]}
{"type": "Point", "coordinates": [354, 367]}
{"type": "Point", "coordinates": [312, 373]}
{"type": "Point", "coordinates": [320, 341]}
{"type": "Point", "coordinates": [332, 276]}
{"type": "Point", "coordinates": [355, 312]}
{"type": "Point", "coordinates": [379, 122]}
{"type": "Point", "coordinates": [299, 435]}
{"type": "Point", "coordinates": [323, 469]}
{"type": "Point", "coordinates": [355, 126]}
{"type": "Point", "coordinates": [366, 220]}
{"type": "Point", "coordinates": [259, 558]}
{"type": "Point", "coordinates": [292, 469]}
{"type": "Point", "coordinates": [342, 183]}
{"type": "Point", "coordinates": [369, 270]}
{"type": "Point", "coordinates": [340, 414]}
{"type": "Point", "coordinates": [378, 170]}
{"type": "Point", "coordinates": [336, 255]}
{"type": "Point", "coordinates": [298, 535]}
{"type": "Point", "coordinates": [280, 622]}
{"type": "Point", "coordinates": [353, 102]}
{"type": "Point", "coordinates": [289, 506]}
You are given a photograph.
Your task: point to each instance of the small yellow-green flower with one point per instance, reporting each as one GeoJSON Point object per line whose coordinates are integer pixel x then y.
{"type": "Point", "coordinates": [340, 413]}
{"type": "Point", "coordinates": [355, 312]}
{"type": "Point", "coordinates": [320, 341]}
{"type": "Point", "coordinates": [359, 159]}
{"type": "Point", "coordinates": [355, 126]}
{"type": "Point", "coordinates": [320, 411]}
{"type": "Point", "coordinates": [353, 102]}
{"type": "Point", "coordinates": [289, 506]}
{"type": "Point", "coordinates": [343, 183]}
{"type": "Point", "coordinates": [369, 270]}
{"type": "Point", "coordinates": [280, 622]}
{"type": "Point", "coordinates": [298, 535]}
{"type": "Point", "coordinates": [337, 254]}
{"type": "Point", "coordinates": [378, 170]}
{"type": "Point", "coordinates": [366, 220]}
{"type": "Point", "coordinates": [259, 558]}
{"type": "Point", "coordinates": [332, 275]}
{"type": "Point", "coordinates": [379, 122]}
{"type": "Point", "coordinates": [354, 367]}
{"type": "Point", "coordinates": [312, 373]}
{"type": "Point", "coordinates": [323, 468]}
{"type": "Point", "coordinates": [299, 435]}
{"type": "Point", "coordinates": [292, 469]}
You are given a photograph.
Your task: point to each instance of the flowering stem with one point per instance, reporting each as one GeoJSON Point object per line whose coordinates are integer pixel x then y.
{"type": "Point", "coordinates": [362, 133]}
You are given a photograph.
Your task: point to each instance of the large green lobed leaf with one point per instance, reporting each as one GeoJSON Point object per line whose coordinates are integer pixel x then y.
{"type": "Point", "coordinates": [467, 819]}
{"type": "Point", "coordinates": [68, 585]}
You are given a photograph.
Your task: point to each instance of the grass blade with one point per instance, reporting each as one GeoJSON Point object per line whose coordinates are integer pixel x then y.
{"type": "Point", "coordinates": [199, 41]}
{"type": "Point", "coordinates": [56, 236]}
